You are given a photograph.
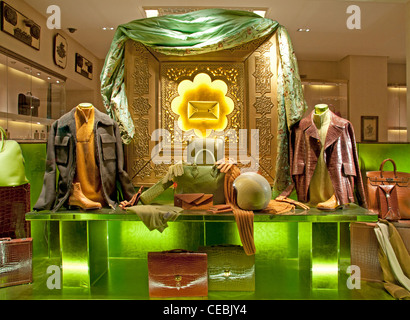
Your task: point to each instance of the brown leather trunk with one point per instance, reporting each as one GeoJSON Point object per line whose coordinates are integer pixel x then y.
{"type": "Point", "coordinates": [364, 247]}
{"type": "Point", "coordinates": [177, 273]}
{"type": "Point", "coordinates": [400, 179]}
{"type": "Point", "coordinates": [15, 261]}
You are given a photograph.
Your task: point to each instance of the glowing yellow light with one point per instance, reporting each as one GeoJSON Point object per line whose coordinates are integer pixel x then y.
{"type": "Point", "coordinates": [202, 105]}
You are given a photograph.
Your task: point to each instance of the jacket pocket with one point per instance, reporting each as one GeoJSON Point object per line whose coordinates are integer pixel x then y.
{"type": "Point", "coordinates": [349, 169]}
{"type": "Point", "coordinates": [61, 144]}
{"type": "Point", "coordinates": [299, 168]}
{"type": "Point", "coordinates": [108, 147]}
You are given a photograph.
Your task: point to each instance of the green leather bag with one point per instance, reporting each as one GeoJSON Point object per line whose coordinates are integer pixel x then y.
{"type": "Point", "coordinates": [202, 179]}
{"type": "Point", "coordinates": [195, 179]}
{"type": "Point", "coordinates": [11, 162]}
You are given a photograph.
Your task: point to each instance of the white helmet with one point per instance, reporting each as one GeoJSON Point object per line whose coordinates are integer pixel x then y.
{"type": "Point", "coordinates": [253, 191]}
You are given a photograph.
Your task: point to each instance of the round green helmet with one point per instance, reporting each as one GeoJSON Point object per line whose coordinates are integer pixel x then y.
{"type": "Point", "coordinates": [253, 191]}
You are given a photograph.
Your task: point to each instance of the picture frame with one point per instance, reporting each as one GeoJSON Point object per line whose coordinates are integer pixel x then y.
{"type": "Point", "coordinates": [83, 66]}
{"type": "Point", "coordinates": [60, 51]}
{"type": "Point", "coordinates": [370, 128]}
{"type": "Point", "coordinates": [19, 26]}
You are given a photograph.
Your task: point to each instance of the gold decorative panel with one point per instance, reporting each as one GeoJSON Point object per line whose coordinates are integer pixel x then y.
{"type": "Point", "coordinates": [204, 97]}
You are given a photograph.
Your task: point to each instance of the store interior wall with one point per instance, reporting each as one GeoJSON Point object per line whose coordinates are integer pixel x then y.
{"type": "Point", "coordinates": [367, 76]}
{"type": "Point", "coordinates": [78, 88]}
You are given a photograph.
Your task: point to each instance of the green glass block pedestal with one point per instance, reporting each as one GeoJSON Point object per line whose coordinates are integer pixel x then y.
{"type": "Point", "coordinates": [303, 250]}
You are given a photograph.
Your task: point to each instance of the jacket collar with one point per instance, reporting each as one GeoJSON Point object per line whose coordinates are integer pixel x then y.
{"type": "Point", "coordinates": [69, 120]}
{"type": "Point", "coordinates": [336, 127]}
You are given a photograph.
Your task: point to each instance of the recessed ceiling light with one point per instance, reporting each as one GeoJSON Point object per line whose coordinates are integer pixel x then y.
{"type": "Point", "coordinates": [49, 78]}
{"type": "Point", "coordinates": [38, 73]}
{"type": "Point", "coordinates": [303, 30]}
{"type": "Point", "coordinates": [260, 13]}
{"type": "Point", "coordinates": [151, 13]}
{"type": "Point", "coordinates": [111, 28]}
{"type": "Point", "coordinates": [104, 28]}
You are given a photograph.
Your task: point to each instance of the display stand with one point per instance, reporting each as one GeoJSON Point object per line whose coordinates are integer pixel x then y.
{"type": "Point", "coordinates": [85, 241]}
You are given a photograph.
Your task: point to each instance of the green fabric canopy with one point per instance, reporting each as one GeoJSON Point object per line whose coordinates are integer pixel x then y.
{"type": "Point", "coordinates": [202, 32]}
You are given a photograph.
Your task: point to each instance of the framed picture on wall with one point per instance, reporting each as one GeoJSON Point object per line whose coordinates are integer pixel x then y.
{"type": "Point", "coordinates": [83, 66]}
{"type": "Point", "coordinates": [60, 51]}
{"type": "Point", "coordinates": [19, 26]}
{"type": "Point", "coordinates": [370, 128]}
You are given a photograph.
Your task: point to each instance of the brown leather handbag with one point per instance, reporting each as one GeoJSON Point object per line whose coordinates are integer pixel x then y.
{"type": "Point", "coordinates": [401, 181]}
{"type": "Point", "coordinates": [15, 261]}
{"type": "Point", "coordinates": [193, 201]}
{"type": "Point", "coordinates": [229, 268]}
{"type": "Point", "coordinates": [177, 273]}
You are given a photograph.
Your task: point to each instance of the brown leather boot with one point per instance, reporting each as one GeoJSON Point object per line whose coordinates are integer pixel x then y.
{"type": "Point", "coordinates": [77, 198]}
{"type": "Point", "coordinates": [331, 204]}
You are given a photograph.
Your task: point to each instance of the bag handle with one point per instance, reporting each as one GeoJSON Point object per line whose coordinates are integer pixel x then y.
{"type": "Point", "coordinates": [206, 151]}
{"type": "Point", "coordinates": [3, 138]}
{"type": "Point", "coordinates": [382, 165]}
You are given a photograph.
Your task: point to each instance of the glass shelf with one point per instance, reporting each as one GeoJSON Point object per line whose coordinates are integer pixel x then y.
{"type": "Point", "coordinates": [31, 98]}
{"type": "Point", "coordinates": [353, 213]}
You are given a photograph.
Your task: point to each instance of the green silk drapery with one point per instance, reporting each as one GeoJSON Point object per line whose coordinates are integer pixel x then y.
{"type": "Point", "coordinates": [202, 32]}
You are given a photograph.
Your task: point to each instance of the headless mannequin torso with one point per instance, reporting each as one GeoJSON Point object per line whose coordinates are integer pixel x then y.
{"type": "Point", "coordinates": [321, 187]}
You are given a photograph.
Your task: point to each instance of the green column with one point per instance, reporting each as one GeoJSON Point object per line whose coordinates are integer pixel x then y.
{"type": "Point", "coordinates": [84, 252]}
{"type": "Point", "coordinates": [325, 255]}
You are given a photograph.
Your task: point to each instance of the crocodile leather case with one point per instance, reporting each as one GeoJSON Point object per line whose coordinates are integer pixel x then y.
{"type": "Point", "coordinates": [15, 261]}
{"type": "Point", "coordinates": [229, 268]}
{"type": "Point", "coordinates": [177, 273]}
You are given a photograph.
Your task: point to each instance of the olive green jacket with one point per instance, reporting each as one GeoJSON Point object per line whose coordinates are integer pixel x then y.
{"type": "Point", "coordinates": [61, 155]}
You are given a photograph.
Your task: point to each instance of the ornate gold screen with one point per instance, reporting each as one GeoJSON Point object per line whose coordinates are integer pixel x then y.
{"type": "Point", "coordinates": [157, 99]}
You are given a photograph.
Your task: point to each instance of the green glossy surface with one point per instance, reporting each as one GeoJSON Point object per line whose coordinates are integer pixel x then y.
{"type": "Point", "coordinates": [128, 279]}
{"type": "Point", "coordinates": [371, 156]}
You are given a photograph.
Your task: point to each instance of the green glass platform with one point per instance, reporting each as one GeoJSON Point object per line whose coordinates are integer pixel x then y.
{"type": "Point", "coordinates": [307, 251]}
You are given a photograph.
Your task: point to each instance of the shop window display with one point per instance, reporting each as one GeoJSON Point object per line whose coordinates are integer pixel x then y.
{"type": "Point", "coordinates": [99, 204]}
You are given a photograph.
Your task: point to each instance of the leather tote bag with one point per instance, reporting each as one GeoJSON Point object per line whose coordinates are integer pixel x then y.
{"type": "Point", "coordinates": [202, 179]}
{"type": "Point", "coordinates": [401, 181]}
{"type": "Point", "coordinates": [12, 162]}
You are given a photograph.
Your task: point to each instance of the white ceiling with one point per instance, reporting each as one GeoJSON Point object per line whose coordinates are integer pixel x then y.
{"type": "Point", "coordinates": [382, 23]}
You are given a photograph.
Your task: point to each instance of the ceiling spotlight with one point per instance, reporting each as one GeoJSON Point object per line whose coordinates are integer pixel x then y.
{"type": "Point", "coordinates": [58, 81]}
{"type": "Point", "coordinates": [38, 73]}
{"type": "Point", "coordinates": [104, 28]}
{"type": "Point", "coordinates": [151, 13]}
{"type": "Point", "coordinates": [49, 78]}
{"type": "Point", "coordinates": [307, 30]}
{"type": "Point", "coordinates": [111, 28]}
{"type": "Point", "coordinates": [303, 30]}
